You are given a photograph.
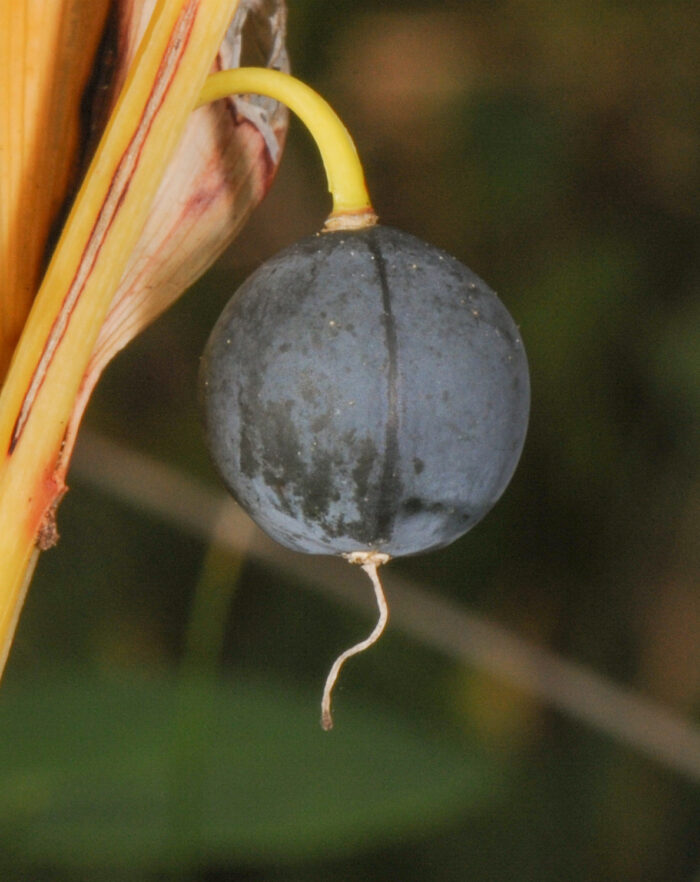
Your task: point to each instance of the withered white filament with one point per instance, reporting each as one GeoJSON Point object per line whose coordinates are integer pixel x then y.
{"type": "Point", "coordinates": [369, 561]}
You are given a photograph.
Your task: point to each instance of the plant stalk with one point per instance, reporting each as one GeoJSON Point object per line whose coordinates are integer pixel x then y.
{"type": "Point", "coordinates": [346, 179]}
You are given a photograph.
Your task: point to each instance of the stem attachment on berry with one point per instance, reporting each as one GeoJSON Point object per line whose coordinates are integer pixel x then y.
{"type": "Point", "coordinates": [346, 181]}
{"type": "Point", "coordinates": [369, 561]}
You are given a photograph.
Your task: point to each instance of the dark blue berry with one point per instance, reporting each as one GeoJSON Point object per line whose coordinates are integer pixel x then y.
{"type": "Point", "coordinates": [365, 391]}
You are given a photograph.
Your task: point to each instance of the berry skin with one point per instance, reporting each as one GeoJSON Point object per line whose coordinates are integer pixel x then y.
{"type": "Point", "coordinates": [365, 391]}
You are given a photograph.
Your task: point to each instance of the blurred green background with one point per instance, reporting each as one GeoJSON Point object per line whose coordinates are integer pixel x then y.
{"type": "Point", "coordinates": [159, 716]}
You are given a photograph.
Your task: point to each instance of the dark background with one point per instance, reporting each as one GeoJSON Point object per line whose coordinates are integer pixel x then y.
{"type": "Point", "coordinates": [553, 147]}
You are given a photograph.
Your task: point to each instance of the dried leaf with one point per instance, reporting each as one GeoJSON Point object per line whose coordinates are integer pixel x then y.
{"type": "Point", "coordinates": [92, 254]}
{"type": "Point", "coordinates": [222, 168]}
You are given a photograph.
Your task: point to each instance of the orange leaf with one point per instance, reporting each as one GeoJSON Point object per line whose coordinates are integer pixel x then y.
{"type": "Point", "coordinates": [47, 48]}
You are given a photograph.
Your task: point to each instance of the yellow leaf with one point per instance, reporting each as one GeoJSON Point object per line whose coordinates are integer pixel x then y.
{"type": "Point", "coordinates": [108, 215]}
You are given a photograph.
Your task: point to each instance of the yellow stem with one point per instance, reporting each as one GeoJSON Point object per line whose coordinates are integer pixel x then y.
{"type": "Point", "coordinates": [107, 217]}
{"type": "Point", "coordinates": [346, 179]}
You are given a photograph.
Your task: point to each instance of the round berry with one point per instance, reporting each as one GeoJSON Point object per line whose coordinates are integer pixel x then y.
{"type": "Point", "coordinates": [365, 391]}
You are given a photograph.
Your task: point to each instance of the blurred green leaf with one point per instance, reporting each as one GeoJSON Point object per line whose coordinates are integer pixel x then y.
{"type": "Point", "coordinates": [149, 773]}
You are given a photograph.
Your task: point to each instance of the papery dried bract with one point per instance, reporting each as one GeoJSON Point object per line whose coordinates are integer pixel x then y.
{"type": "Point", "coordinates": [223, 167]}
